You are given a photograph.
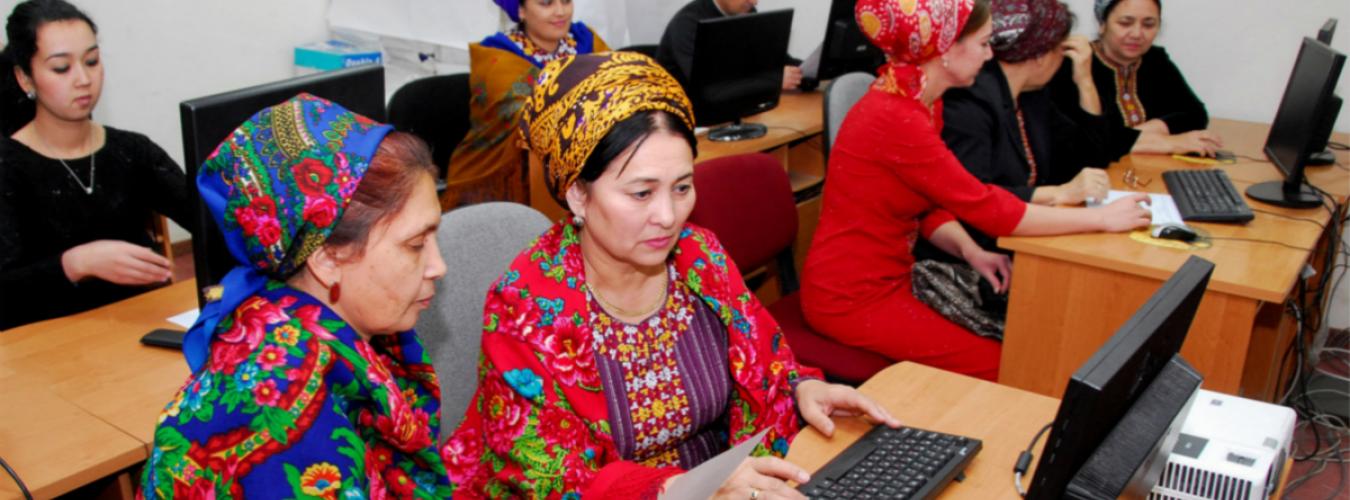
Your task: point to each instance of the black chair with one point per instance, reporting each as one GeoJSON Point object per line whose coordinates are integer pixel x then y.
{"type": "Point", "coordinates": [435, 108]}
{"type": "Point", "coordinates": [648, 50]}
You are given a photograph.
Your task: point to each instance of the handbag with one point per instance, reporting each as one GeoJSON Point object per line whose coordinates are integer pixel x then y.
{"type": "Point", "coordinates": [960, 294]}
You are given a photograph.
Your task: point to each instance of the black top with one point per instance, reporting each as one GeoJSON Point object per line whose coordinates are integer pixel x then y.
{"type": "Point", "coordinates": [676, 51]}
{"type": "Point", "coordinates": [980, 127]}
{"type": "Point", "coordinates": [1161, 88]}
{"type": "Point", "coordinates": [44, 212]}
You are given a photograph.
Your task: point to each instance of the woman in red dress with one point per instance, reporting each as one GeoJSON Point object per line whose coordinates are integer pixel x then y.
{"type": "Point", "coordinates": [892, 177]}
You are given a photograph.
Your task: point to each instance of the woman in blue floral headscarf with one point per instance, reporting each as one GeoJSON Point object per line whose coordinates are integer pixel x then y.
{"type": "Point", "coordinates": [307, 380]}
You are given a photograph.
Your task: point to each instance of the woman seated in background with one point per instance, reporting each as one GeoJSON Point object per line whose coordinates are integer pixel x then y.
{"type": "Point", "coordinates": [623, 346]}
{"type": "Point", "coordinates": [77, 198]}
{"type": "Point", "coordinates": [488, 163]}
{"type": "Point", "coordinates": [307, 379]}
{"type": "Point", "coordinates": [892, 179]}
{"type": "Point", "coordinates": [1143, 95]}
{"type": "Point", "coordinates": [1007, 131]}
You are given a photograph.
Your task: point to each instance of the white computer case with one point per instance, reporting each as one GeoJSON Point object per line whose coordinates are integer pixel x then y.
{"type": "Point", "coordinates": [1230, 448]}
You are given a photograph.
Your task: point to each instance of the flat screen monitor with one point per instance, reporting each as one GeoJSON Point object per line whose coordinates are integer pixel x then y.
{"type": "Point", "coordinates": [207, 121]}
{"type": "Point", "coordinates": [844, 49]}
{"type": "Point", "coordinates": [1106, 386]}
{"type": "Point", "coordinates": [1293, 133]}
{"type": "Point", "coordinates": [738, 70]}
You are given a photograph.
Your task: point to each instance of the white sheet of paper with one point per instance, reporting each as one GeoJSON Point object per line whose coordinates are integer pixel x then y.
{"type": "Point", "coordinates": [185, 319]}
{"type": "Point", "coordinates": [1164, 208]}
{"type": "Point", "coordinates": [701, 482]}
{"type": "Point", "coordinates": [811, 65]}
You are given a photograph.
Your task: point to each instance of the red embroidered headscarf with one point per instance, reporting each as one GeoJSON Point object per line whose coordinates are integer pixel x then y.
{"type": "Point", "coordinates": [910, 32]}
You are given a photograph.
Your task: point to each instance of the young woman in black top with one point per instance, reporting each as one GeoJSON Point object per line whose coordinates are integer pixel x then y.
{"type": "Point", "coordinates": [76, 197]}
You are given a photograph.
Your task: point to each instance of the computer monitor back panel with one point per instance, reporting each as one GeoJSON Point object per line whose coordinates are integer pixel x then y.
{"type": "Point", "coordinates": [845, 49]}
{"type": "Point", "coordinates": [207, 121]}
{"type": "Point", "coordinates": [1293, 133]}
{"type": "Point", "coordinates": [738, 65]}
{"type": "Point", "coordinates": [1327, 31]}
{"type": "Point", "coordinates": [1107, 385]}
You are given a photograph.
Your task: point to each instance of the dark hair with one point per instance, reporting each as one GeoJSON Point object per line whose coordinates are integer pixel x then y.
{"type": "Point", "coordinates": [1110, 6]}
{"type": "Point", "coordinates": [399, 162]}
{"type": "Point", "coordinates": [632, 131]}
{"type": "Point", "coordinates": [16, 110]}
{"type": "Point", "coordinates": [979, 15]}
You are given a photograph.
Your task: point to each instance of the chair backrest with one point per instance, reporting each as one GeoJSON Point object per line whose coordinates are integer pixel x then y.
{"type": "Point", "coordinates": [435, 108]}
{"type": "Point", "coordinates": [840, 96]}
{"type": "Point", "coordinates": [477, 243]}
{"type": "Point", "coordinates": [746, 200]}
{"type": "Point", "coordinates": [648, 50]}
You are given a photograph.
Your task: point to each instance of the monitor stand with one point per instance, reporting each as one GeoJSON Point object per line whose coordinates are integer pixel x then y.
{"type": "Point", "coordinates": [1323, 157]}
{"type": "Point", "coordinates": [738, 131]}
{"type": "Point", "coordinates": [1277, 193]}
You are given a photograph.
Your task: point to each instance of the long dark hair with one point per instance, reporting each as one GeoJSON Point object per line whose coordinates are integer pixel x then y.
{"type": "Point", "coordinates": [16, 110]}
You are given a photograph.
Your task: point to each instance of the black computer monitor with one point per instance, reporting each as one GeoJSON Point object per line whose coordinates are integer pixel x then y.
{"type": "Point", "coordinates": [1293, 134]}
{"type": "Point", "coordinates": [1105, 387]}
{"type": "Point", "coordinates": [207, 121]}
{"type": "Point", "coordinates": [738, 70]}
{"type": "Point", "coordinates": [844, 49]}
{"type": "Point", "coordinates": [1328, 30]}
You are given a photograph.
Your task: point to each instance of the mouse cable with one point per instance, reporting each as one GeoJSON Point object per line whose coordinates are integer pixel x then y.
{"type": "Point", "coordinates": [22, 487]}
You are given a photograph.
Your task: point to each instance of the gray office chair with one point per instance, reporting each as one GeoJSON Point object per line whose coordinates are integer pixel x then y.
{"type": "Point", "coordinates": [840, 96]}
{"type": "Point", "coordinates": [477, 243]}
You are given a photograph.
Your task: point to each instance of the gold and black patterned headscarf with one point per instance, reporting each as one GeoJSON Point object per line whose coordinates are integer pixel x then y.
{"type": "Point", "coordinates": [577, 100]}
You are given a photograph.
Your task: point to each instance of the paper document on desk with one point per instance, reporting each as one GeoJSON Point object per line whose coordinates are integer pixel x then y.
{"type": "Point", "coordinates": [1164, 208]}
{"type": "Point", "coordinates": [811, 65]}
{"type": "Point", "coordinates": [701, 482]}
{"type": "Point", "coordinates": [185, 319]}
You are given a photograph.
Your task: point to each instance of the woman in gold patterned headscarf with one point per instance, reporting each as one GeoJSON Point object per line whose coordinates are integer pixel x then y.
{"type": "Point", "coordinates": [623, 347]}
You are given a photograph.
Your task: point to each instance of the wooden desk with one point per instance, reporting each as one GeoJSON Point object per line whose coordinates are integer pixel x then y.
{"type": "Point", "coordinates": [1070, 293]}
{"type": "Point", "coordinates": [82, 395]}
{"type": "Point", "coordinates": [1005, 419]}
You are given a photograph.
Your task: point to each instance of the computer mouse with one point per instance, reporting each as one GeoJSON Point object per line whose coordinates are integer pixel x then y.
{"type": "Point", "coordinates": [1177, 232]}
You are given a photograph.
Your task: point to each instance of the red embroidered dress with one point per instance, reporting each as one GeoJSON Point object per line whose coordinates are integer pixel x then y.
{"type": "Point", "coordinates": [666, 378]}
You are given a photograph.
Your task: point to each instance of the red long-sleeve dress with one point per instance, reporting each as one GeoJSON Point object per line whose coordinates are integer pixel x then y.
{"type": "Point", "coordinates": [891, 177]}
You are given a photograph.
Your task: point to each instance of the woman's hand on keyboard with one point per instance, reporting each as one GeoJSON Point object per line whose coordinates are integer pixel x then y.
{"type": "Point", "coordinates": [817, 401]}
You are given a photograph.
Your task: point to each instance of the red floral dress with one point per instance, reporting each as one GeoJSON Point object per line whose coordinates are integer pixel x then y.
{"type": "Point", "coordinates": [539, 424]}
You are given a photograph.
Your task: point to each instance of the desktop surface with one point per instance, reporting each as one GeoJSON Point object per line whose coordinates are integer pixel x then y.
{"type": "Point", "coordinates": [1072, 291]}
{"type": "Point", "coordinates": [1005, 419]}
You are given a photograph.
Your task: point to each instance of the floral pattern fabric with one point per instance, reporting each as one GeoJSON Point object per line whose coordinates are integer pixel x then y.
{"type": "Point", "coordinates": [538, 425]}
{"type": "Point", "coordinates": [293, 403]}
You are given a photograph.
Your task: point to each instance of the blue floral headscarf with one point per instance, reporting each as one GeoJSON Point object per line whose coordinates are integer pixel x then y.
{"type": "Point", "coordinates": [276, 188]}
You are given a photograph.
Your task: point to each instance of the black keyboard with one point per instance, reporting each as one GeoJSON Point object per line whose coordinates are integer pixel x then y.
{"type": "Point", "coordinates": [893, 463]}
{"type": "Point", "coordinates": [1206, 195]}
